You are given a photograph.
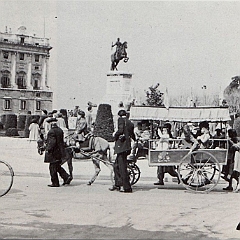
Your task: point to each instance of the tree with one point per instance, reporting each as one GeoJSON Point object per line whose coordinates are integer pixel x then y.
{"type": "Point", "coordinates": [154, 96]}
{"type": "Point", "coordinates": [104, 126]}
{"type": "Point", "coordinates": [232, 93]}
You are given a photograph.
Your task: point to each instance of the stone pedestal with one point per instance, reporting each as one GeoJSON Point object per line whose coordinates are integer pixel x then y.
{"type": "Point", "coordinates": [119, 88]}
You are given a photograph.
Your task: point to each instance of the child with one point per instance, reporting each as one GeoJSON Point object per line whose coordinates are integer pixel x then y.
{"type": "Point", "coordinates": [163, 143]}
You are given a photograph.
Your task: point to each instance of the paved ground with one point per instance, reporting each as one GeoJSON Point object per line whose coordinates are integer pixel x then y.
{"type": "Point", "coordinates": [32, 210]}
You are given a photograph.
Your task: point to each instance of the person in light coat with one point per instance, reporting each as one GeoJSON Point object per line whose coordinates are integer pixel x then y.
{"type": "Point", "coordinates": [34, 130]}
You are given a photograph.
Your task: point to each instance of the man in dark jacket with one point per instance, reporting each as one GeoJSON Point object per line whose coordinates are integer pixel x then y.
{"type": "Point", "coordinates": [54, 154]}
{"type": "Point", "coordinates": [122, 149]}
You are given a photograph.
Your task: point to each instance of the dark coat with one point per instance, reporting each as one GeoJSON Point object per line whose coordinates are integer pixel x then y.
{"type": "Point", "coordinates": [55, 150]}
{"type": "Point", "coordinates": [41, 120]}
{"type": "Point", "coordinates": [126, 127]}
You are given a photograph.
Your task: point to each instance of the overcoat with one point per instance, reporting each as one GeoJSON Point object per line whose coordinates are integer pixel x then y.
{"type": "Point", "coordinates": [126, 128]}
{"type": "Point", "coordinates": [55, 150]}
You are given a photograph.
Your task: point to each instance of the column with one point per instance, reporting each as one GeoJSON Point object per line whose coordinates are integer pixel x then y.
{"type": "Point", "coordinates": [47, 73]}
{"type": "Point", "coordinates": [29, 72]}
{"type": "Point", "coordinates": [43, 86]}
{"type": "Point", "coordinates": [13, 69]}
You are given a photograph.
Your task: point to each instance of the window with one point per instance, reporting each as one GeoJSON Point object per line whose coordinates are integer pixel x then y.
{"type": "Point", "coordinates": [5, 40]}
{"type": "Point", "coordinates": [36, 58]}
{"type": "Point", "coordinates": [7, 104]}
{"type": "Point", "coordinates": [22, 104]}
{"type": "Point", "coordinates": [21, 82]}
{"type": "Point", "coordinates": [35, 84]}
{"type": "Point", "coordinates": [22, 40]}
{"type": "Point", "coordinates": [5, 55]}
{"type": "Point", "coordinates": [37, 94]}
{"type": "Point", "coordinates": [36, 67]}
{"type": "Point", "coordinates": [5, 81]}
{"type": "Point", "coordinates": [21, 56]}
{"type": "Point", "coordinates": [38, 105]}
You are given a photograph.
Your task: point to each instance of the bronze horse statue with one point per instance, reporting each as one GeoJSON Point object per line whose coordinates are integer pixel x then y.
{"type": "Point", "coordinates": [118, 56]}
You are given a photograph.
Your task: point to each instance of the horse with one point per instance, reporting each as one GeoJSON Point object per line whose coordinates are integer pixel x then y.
{"type": "Point", "coordinates": [118, 56]}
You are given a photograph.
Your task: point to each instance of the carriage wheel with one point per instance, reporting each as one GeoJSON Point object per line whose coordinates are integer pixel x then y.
{"type": "Point", "coordinates": [137, 172]}
{"type": "Point", "coordinates": [131, 174]}
{"type": "Point", "coordinates": [199, 172]}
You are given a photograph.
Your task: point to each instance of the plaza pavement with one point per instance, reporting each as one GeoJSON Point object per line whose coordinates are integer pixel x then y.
{"type": "Point", "coordinates": [33, 210]}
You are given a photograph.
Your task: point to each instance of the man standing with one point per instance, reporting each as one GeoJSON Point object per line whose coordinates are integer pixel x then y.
{"type": "Point", "coordinates": [122, 149]}
{"type": "Point", "coordinates": [89, 119]}
{"type": "Point", "coordinates": [54, 153]}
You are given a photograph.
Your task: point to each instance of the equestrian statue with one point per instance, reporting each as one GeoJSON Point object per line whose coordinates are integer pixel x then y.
{"type": "Point", "coordinates": [119, 54]}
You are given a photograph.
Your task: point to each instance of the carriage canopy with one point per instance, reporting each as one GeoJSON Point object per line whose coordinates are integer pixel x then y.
{"type": "Point", "coordinates": [180, 114]}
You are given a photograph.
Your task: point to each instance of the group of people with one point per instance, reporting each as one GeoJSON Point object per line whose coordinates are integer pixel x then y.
{"type": "Point", "coordinates": [127, 140]}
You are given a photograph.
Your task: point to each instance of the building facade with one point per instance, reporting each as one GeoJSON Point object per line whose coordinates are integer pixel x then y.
{"type": "Point", "coordinates": [24, 73]}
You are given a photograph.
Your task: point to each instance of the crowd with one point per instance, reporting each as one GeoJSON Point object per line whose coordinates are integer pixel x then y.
{"type": "Point", "coordinates": [129, 140]}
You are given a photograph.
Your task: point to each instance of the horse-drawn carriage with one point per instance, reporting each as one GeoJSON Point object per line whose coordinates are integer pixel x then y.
{"type": "Point", "coordinates": [198, 170]}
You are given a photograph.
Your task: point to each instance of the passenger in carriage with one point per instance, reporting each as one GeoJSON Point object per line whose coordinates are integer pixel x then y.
{"type": "Point", "coordinates": [218, 135]}
{"type": "Point", "coordinates": [188, 140]}
{"type": "Point", "coordinates": [165, 144]}
{"type": "Point", "coordinates": [142, 137]}
{"type": "Point", "coordinates": [204, 138]}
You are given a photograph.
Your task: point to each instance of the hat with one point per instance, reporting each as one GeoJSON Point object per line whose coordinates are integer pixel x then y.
{"type": "Point", "coordinates": [122, 113]}
{"type": "Point", "coordinates": [82, 113]}
{"type": "Point", "coordinates": [120, 104]}
{"type": "Point", "coordinates": [51, 120]}
{"type": "Point", "coordinates": [167, 125]}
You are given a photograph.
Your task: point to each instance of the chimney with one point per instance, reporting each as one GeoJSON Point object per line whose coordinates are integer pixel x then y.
{"type": "Point", "coordinates": [6, 30]}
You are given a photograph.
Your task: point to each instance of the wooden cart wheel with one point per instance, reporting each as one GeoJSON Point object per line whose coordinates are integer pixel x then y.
{"type": "Point", "coordinates": [200, 171]}
{"type": "Point", "coordinates": [137, 172]}
{"type": "Point", "coordinates": [131, 174]}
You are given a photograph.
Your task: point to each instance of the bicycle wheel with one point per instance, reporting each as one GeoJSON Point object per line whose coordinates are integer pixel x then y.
{"type": "Point", "coordinates": [6, 178]}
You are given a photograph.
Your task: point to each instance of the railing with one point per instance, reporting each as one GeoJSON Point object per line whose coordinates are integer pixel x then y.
{"type": "Point", "coordinates": [36, 44]}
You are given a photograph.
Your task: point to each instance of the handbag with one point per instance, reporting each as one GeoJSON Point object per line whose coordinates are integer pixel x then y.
{"type": "Point", "coordinates": [122, 138]}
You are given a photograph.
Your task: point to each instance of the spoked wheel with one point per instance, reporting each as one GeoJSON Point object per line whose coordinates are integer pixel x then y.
{"type": "Point", "coordinates": [131, 174]}
{"type": "Point", "coordinates": [199, 171]}
{"type": "Point", "coordinates": [137, 172]}
{"type": "Point", "coordinates": [6, 178]}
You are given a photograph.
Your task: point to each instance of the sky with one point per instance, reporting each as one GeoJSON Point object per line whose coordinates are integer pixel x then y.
{"type": "Point", "coordinates": [181, 45]}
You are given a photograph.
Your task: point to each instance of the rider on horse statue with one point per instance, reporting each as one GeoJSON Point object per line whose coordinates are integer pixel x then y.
{"type": "Point", "coordinates": [119, 54]}
{"type": "Point", "coordinates": [118, 45]}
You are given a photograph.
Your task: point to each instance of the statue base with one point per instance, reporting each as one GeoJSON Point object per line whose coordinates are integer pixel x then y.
{"type": "Point", "coordinates": [119, 89]}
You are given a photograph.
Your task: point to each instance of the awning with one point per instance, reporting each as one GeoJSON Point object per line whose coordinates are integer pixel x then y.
{"type": "Point", "coordinates": [180, 114]}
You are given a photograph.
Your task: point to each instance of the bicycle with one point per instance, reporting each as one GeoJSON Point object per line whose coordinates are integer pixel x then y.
{"type": "Point", "coordinates": [6, 177]}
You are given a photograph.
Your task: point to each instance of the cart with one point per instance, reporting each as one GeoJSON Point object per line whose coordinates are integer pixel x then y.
{"type": "Point", "coordinates": [199, 170]}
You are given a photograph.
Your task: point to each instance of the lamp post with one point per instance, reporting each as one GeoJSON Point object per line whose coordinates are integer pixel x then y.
{"type": "Point", "coordinates": [204, 88]}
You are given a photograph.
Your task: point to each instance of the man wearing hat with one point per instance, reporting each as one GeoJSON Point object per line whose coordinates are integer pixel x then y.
{"type": "Point", "coordinates": [54, 153]}
{"type": "Point", "coordinates": [122, 149]}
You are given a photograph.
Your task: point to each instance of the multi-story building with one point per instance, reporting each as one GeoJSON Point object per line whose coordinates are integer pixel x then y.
{"type": "Point", "coordinates": [24, 73]}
